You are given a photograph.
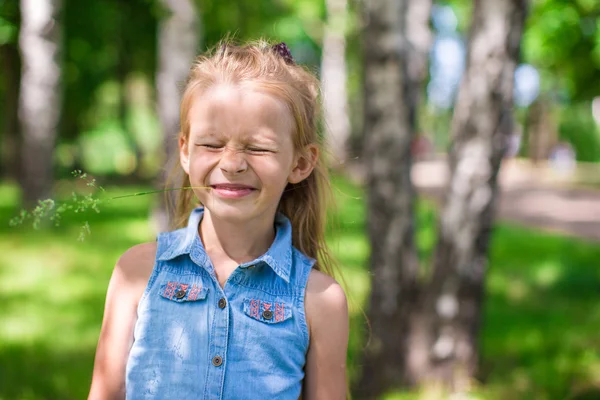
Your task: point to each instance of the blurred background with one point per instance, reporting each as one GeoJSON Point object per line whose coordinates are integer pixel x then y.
{"type": "Point", "coordinates": [93, 86]}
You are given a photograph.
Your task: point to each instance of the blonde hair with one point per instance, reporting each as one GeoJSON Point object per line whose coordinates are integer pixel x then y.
{"type": "Point", "coordinates": [258, 65]}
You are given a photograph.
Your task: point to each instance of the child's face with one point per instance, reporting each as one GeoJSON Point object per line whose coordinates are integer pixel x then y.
{"type": "Point", "coordinates": [240, 144]}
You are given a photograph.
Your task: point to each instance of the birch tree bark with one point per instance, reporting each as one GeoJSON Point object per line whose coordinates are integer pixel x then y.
{"type": "Point", "coordinates": [333, 76]}
{"type": "Point", "coordinates": [178, 42]}
{"type": "Point", "coordinates": [389, 130]}
{"type": "Point", "coordinates": [449, 326]}
{"type": "Point", "coordinates": [419, 37]}
{"type": "Point", "coordinates": [40, 95]}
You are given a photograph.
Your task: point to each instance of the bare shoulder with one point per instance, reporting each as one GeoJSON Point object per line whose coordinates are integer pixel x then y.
{"type": "Point", "coordinates": [134, 267]}
{"type": "Point", "coordinates": [325, 299]}
{"type": "Point", "coordinates": [324, 287]}
{"type": "Point", "coordinates": [138, 260]}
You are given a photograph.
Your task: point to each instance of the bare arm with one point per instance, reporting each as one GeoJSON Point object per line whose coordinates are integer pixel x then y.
{"type": "Point", "coordinates": [127, 284]}
{"type": "Point", "coordinates": [327, 315]}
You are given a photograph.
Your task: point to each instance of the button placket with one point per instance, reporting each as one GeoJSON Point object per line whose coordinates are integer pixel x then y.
{"type": "Point", "coordinates": [218, 345]}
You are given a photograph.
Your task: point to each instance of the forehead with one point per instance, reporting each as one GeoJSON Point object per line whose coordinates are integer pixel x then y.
{"type": "Point", "coordinates": [228, 109]}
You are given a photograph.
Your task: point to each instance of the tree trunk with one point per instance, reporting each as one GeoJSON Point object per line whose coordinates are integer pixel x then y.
{"type": "Point", "coordinates": [122, 71]}
{"type": "Point", "coordinates": [418, 34]}
{"type": "Point", "coordinates": [447, 352]}
{"type": "Point", "coordinates": [178, 40]}
{"type": "Point", "coordinates": [541, 129]}
{"type": "Point", "coordinates": [40, 99]}
{"type": "Point", "coordinates": [333, 76]}
{"type": "Point", "coordinates": [11, 67]}
{"type": "Point", "coordinates": [125, 51]}
{"type": "Point", "coordinates": [389, 130]}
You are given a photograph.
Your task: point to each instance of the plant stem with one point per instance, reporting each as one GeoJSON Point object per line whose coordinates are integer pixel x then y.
{"type": "Point", "coordinates": [158, 191]}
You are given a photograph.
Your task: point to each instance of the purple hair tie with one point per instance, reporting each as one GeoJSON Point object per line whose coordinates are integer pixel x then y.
{"type": "Point", "coordinates": [284, 52]}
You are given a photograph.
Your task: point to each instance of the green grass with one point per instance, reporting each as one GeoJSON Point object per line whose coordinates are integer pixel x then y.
{"type": "Point", "coordinates": [540, 336]}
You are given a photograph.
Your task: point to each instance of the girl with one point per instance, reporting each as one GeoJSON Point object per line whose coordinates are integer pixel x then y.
{"type": "Point", "coordinates": [234, 305]}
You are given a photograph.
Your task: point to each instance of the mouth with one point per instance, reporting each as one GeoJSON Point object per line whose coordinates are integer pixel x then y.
{"type": "Point", "coordinates": [232, 190]}
{"type": "Point", "coordinates": [232, 186]}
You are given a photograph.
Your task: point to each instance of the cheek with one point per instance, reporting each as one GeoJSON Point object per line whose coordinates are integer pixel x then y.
{"type": "Point", "coordinates": [277, 170]}
{"type": "Point", "coordinates": [200, 165]}
{"type": "Point", "coordinates": [202, 159]}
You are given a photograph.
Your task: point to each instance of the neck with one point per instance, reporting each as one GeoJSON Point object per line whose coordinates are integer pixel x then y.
{"type": "Point", "coordinates": [240, 242]}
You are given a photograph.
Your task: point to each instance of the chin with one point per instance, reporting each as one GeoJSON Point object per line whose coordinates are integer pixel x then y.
{"type": "Point", "coordinates": [231, 213]}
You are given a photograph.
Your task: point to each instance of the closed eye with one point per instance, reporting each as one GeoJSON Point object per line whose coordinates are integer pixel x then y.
{"type": "Point", "coordinates": [259, 150]}
{"type": "Point", "coordinates": [210, 146]}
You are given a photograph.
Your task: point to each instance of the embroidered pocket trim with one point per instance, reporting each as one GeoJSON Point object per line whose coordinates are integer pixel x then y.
{"type": "Point", "coordinates": [182, 292]}
{"type": "Point", "coordinates": [269, 312]}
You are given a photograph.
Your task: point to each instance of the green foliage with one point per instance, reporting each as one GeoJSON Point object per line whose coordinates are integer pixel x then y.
{"type": "Point", "coordinates": [9, 22]}
{"type": "Point", "coordinates": [563, 40]}
{"type": "Point", "coordinates": [578, 127]}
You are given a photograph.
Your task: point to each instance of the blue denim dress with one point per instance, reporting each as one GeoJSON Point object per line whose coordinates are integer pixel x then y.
{"type": "Point", "coordinates": [196, 340]}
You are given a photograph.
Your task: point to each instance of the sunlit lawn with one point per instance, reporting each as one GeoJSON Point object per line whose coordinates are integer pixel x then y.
{"type": "Point", "coordinates": [541, 330]}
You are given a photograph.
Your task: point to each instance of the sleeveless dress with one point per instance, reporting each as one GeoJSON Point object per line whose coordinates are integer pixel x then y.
{"type": "Point", "coordinates": [196, 340]}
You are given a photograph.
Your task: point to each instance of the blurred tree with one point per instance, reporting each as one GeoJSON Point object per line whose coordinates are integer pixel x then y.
{"type": "Point", "coordinates": [11, 67]}
{"type": "Point", "coordinates": [40, 42]}
{"type": "Point", "coordinates": [448, 326]}
{"type": "Point", "coordinates": [562, 41]}
{"type": "Point", "coordinates": [106, 42]}
{"type": "Point", "coordinates": [419, 38]}
{"type": "Point", "coordinates": [389, 131]}
{"type": "Point", "coordinates": [542, 129]}
{"type": "Point", "coordinates": [126, 12]}
{"type": "Point", "coordinates": [178, 42]}
{"type": "Point", "coordinates": [333, 77]}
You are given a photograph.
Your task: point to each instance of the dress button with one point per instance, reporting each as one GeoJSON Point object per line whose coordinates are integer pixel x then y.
{"type": "Point", "coordinates": [217, 361]}
{"type": "Point", "coordinates": [222, 302]}
{"type": "Point", "coordinates": [267, 314]}
{"type": "Point", "coordinates": [180, 294]}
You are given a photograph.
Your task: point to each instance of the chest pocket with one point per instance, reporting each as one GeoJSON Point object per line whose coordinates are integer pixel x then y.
{"type": "Point", "coordinates": [268, 310]}
{"type": "Point", "coordinates": [182, 292]}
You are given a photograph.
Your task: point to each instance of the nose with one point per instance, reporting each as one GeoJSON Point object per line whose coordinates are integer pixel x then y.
{"type": "Point", "coordinates": [233, 161]}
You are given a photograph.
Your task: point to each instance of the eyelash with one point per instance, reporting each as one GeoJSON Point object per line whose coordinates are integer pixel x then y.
{"type": "Point", "coordinates": [252, 149]}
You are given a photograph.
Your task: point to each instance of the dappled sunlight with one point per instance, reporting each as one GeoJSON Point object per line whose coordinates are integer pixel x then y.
{"type": "Point", "coordinates": [51, 294]}
{"type": "Point", "coordinates": [9, 195]}
{"type": "Point", "coordinates": [538, 321]}
{"type": "Point", "coordinates": [352, 249]}
{"type": "Point", "coordinates": [548, 274]}
{"type": "Point", "coordinates": [136, 231]}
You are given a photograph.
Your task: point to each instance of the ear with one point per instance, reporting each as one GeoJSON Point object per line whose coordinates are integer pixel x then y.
{"type": "Point", "coordinates": [304, 164]}
{"type": "Point", "coordinates": [184, 154]}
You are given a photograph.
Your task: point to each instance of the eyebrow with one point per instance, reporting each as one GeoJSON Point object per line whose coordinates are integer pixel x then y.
{"type": "Point", "coordinates": [205, 132]}
{"type": "Point", "coordinates": [258, 138]}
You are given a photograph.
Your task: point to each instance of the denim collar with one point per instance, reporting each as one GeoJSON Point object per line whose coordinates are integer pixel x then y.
{"type": "Point", "coordinates": [278, 257]}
